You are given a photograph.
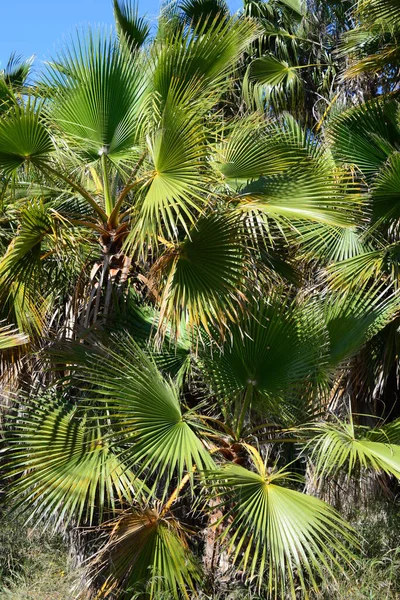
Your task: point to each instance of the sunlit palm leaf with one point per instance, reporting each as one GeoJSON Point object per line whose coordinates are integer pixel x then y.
{"type": "Point", "coordinates": [253, 149]}
{"type": "Point", "coordinates": [147, 415]}
{"type": "Point", "coordinates": [200, 59]}
{"type": "Point", "coordinates": [272, 72]}
{"type": "Point", "coordinates": [98, 97]}
{"type": "Point", "coordinates": [361, 268]}
{"type": "Point", "coordinates": [386, 192]}
{"type": "Point", "coordinates": [23, 137]}
{"type": "Point", "coordinates": [331, 243]}
{"type": "Point", "coordinates": [273, 532]}
{"type": "Point", "coordinates": [280, 174]}
{"type": "Point", "coordinates": [9, 337]}
{"type": "Point", "coordinates": [178, 150]}
{"type": "Point", "coordinates": [342, 445]}
{"type": "Point", "coordinates": [21, 267]}
{"type": "Point", "coordinates": [383, 10]}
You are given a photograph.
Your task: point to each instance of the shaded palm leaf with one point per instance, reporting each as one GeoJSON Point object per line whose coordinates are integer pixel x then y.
{"type": "Point", "coordinates": [366, 135]}
{"type": "Point", "coordinates": [199, 13]}
{"type": "Point", "coordinates": [270, 355]}
{"type": "Point", "coordinates": [146, 413]}
{"type": "Point", "coordinates": [62, 468]}
{"type": "Point", "coordinates": [17, 70]}
{"type": "Point", "coordinates": [146, 553]}
{"type": "Point", "coordinates": [354, 317]}
{"type": "Point", "coordinates": [133, 29]}
{"type": "Point", "coordinates": [204, 279]}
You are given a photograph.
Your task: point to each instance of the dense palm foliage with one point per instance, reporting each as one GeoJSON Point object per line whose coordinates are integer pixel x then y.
{"type": "Point", "coordinates": [199, 292]}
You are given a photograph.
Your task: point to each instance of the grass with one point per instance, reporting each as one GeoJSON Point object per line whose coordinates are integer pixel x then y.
{"type": "Point", "coordinates": [376, 570]}
{"type": "Point", "coordinates": [33, 564]}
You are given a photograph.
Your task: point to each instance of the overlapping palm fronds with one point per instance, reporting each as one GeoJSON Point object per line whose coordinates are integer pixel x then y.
{"type": "Point", "coordinates": [203, 279]}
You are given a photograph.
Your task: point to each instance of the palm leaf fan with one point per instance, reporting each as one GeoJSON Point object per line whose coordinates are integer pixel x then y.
{"type": "Point", "coordinates": [203, 279]}
{"type": "Point", "coordinates": [273, 354]}
{"type": "Point", "coordinates": [146, 554]}
{"type": "Point", "coordinates": [131, 28]}
{"type": "Point", "coordinates": [366, 135]}
{"type": "Point", "coordinates": [342, 445]}
{"type": "Point", "coordinates": [274, 532]}
{"type": "Point", "coordinates": [160, 439]}
{"type": "Point", "coordinates": [23, 137]}
{"type": "Point", "coordinates": [62, 468]}
{"type": "Point", "coordinates": [98, 97]}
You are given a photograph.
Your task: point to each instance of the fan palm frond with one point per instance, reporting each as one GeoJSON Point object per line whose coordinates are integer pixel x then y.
{"type": "Point", "coordinates": [342, 445]}
{"type": "Point", "coordinates": [146, 553]}
{"type": "Point", "coordinates": [160, 439]}
{"type": "Point", "coordinates": [204, 275]}
{"type": "Point", "coordinates": [62, 467]}
{"type": "Point", "coordinates": [98, 96]}
{"type": "Point", "coordinates": [23, 137]}
{"type": "Point", "coordinates": [273, 531]}
{"type": "Point", "coordinates": [270, 354]}
{"type": "Point", "coordinates": [134, 30]}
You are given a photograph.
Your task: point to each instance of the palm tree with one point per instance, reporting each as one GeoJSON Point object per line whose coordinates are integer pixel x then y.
{"type": "Point", "coordinates": [176, 270]}
{"type": "Point", "coordinates": [373, 44]}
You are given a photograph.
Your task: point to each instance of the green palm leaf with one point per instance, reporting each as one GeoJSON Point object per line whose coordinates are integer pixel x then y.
{"type": "Point", "coordinates": [361, 268]}
{"type": "Point", "coordinates": [268, 358]}
{"type": "Point", "coordinates": [62, 467]}
{"type": "Point", "coordinates": [133, 30]}
{"type": "Point", "coordinates": [199, 13]}
{"type": "Point", "coordinates": [203, 283]}
{"type": "Point", "coordinates": [200, 59]}
{"type": "Point", "coordinates": [178, 151]}
{"type": "Point", "coordinates": [386, 192]}
{"type": "Point", "coordinates": [354, 317]}
{"type": "Point", "coordinates": [98, 97]}
{"type": "Point", "coordinates": [23, 137]}
{"type": "Point", "coordinates": [366, 135]}
{"type": "Point", "coordinates": [147, 417]}
{"type": "Point", "coordinates": [280, 174]}
{"type": "Point", "coordinates": [253, 149]}
{"type": "Point", "coordinates": [21, 267]}
{"type": "Point", "coordinates": [342, 445]}
{"type": "Point", "coordinates": [146, 553]}
{"type": "Point", "coordinates": [272, 72]}
{"type": "Point", "coordinates": [383, 10]}
{"type": "Point", "coordinates": [273, 531]}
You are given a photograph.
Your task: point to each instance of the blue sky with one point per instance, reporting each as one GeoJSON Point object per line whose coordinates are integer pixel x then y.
{"type": "Point", "coordinates": [40, 26]}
